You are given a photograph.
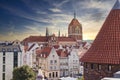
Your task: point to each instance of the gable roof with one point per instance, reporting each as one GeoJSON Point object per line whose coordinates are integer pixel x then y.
{"type": "Point", "coordinates": [44, 52]}
{"type": "Point", "coordinates": [106, 46]}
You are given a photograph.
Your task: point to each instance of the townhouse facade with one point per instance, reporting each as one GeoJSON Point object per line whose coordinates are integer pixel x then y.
{"type": "Point", "coordinates": [10, 57]}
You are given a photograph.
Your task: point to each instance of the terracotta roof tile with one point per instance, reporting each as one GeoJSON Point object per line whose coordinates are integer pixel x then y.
{"type": "Point", "coordinates": [44, 52]}
{"type": "Point", "coordinates": [66, 39]}
{"type": "Point", "coordinates": [62, 53]}
{"type": "Point", "coordinates": [74, 22]}
{"type": "Point", "coordinates": [106, 46]}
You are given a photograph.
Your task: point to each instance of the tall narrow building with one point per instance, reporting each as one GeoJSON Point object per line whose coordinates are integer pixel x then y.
{"type": "Point", "coordinates": [103, 58]}
{"type": "Point", "coordinates": [75, 29]}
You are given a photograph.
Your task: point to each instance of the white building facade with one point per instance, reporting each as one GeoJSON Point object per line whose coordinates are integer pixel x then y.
{"type": "Point", "coordinates": [11, 57]}
{"type": "Point", "coordinates": [73, 62]}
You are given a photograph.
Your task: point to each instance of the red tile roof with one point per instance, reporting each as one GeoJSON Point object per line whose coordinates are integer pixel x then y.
{"type": "Point", "coordinates": [66, 39]}
{"type": "Point", "coordinates": [45, 39]}
{"type": "Point", "coordinates": [44, 52]}
{"type": "Point", "coordinates": [106, 46]}
{"type": "Point", "coordinates": [35, 39]}
{"type": "Point", "coordinates": [62, 53]}
{"type": "Point", "coordinates": [74, 22]}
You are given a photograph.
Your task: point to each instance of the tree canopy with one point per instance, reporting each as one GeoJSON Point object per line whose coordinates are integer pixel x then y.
{"type": "Point", "coordinates": [23, 73]}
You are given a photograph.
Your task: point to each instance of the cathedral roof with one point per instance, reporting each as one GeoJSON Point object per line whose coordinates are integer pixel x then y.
{"type": "Point", "coordinates": [74, 22]}
{"type": "Point", "coordinates": [106, 46]}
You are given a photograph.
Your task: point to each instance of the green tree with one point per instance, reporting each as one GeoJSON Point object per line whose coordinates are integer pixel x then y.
{"type": "Point", "coordinates": [23, 73]}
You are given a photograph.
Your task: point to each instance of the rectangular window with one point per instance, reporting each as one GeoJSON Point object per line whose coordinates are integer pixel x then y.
{"type": "Point", "coordinates": [49, 75]}
{"type": "Point", "coordinates": [51, 62]}
{"type": "Point", "coordinates": [3, 76]}
{"type": "Point", "coordinates": [55, 61]}
{"type": "Point", "coordinates": [15, 59]}
{"type": "Point", "coordinates": [56, 74]}
{"type": "Point", "coordinates": [92, 66]}
{"type": "Point", "coordinates": [50, 67]}
{"type": "Point", "coordinates": [53, 74]}
{"type": "Point", "coordinates": [3, 53]}
{"type": "Point", "coordinates": [3, 60]}
{"type": "Point", "coordinates": [3, 68]}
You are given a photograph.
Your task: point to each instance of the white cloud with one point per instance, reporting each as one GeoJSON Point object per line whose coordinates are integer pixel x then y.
{"type": "Point", "coordinates": [61, 3]}
{"type": "Point", "coordinates": [55, 10]}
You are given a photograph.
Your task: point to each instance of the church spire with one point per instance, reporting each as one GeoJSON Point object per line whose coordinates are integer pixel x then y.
{"type": "Point", "coordinates": [47, 33]}
{"type": "Point", "coordinates": [116, 5]}
{"type": "Point", "coordinates": [74, 15]}
{"type": "Point", "coordinates": [59, 33]}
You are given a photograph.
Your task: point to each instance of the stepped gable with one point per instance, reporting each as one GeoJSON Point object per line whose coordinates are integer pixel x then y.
{"type": "Point", "coordinates": [106, 46]}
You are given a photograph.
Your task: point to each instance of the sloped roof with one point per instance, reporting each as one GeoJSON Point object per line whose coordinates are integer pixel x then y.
{"type": "Point", "coordinates": [74, 22]}
{"type": "Point", "coordinates": [66, 39]}
{"type": "Point", "coordinates": [44, 52]}
{"type": "Point", "coordinates": [106, 46]}
{"type": "Point", "coordinates": [35, 39]}
{"type": "Point", "coordinates": [62, 53]}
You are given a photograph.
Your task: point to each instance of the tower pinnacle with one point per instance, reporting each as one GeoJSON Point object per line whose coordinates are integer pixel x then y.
{"type": "Point", "coordinates": [74, 15]}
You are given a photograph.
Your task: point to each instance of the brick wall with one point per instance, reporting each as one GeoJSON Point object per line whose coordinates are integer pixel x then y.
{"type": "Point", "coordinates": [93, 71]}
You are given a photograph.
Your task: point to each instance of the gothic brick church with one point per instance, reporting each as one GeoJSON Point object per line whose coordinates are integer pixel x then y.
{"type": "Point", "coordinates": [103, 58]}
{"type": "Point", "coordinates": [74, 36]}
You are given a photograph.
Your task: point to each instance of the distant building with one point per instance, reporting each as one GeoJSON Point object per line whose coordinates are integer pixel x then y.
{"type": "Point", "coordinates": [75, 29]}
{"type": "Point", "coordinates": [73, 60]}
{"type": "Point", "coordinates": [74, 36]}
{"type": "Point", "coordinates": [103, 57]}
{"type": "Point", "coordinates": [63, 58]}
{"type": "Point", "coordinates": [10, 57]}
{"type": "Point", "coordinates": [48, 61]}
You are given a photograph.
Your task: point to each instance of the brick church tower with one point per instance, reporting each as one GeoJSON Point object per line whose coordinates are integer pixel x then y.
{"type": "Point", "coordinates": [103, 58]}
{"type": "Point", "coordinates": [75, 29]}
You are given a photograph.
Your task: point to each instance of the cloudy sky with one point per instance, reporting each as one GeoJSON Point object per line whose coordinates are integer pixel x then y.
{"type": "Point", "coordinates": [22, 18]}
